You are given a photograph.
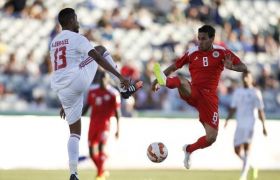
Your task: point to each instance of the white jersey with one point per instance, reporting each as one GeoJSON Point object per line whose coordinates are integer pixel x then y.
{"type": "Point", "coordinates": [67, 50]}
{"type": "Point", "coordinates": [247, 101]}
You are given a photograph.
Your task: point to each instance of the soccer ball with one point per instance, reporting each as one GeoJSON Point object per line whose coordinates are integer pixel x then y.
{"type": "Point", "coordinates": [157, 152]}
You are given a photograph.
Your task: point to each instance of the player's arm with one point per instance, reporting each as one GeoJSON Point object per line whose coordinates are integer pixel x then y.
{"type": "Point", "coordinates": [117, 115]}
{"type": "Point", "coordinates": [231, 63]}
{"type": "Point", "coordinates": [107, 66]}
{"type": "Point", "coordinates": [170, 69]}
{"type": "Point", "coordinates": [231, 112]}
{"type": "Point", "coordinates": [62, 113]}
{"type": "Point", "coordinates": [262, 118]}
{"type": "Point", "coordinates": [241, 67]}
{"type": "Point", "coordinates": [260, 105]}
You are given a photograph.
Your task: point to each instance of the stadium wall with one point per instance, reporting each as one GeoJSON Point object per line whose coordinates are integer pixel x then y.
{"type": "Point", "coordinates": [40, 142]}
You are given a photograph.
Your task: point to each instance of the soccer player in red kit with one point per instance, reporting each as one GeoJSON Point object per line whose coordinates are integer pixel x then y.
{"type": "Point", "coordinates": [206, 62]}
{"type": "Point", "coordinates": [104, 101]}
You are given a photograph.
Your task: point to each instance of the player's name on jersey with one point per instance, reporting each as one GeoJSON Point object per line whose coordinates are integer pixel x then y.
{"type": "Point", "coordinates": [59, 43]}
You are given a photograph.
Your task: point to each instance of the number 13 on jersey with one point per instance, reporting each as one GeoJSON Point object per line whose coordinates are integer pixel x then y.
{"type": "Point", "coordinates": [60, 58]}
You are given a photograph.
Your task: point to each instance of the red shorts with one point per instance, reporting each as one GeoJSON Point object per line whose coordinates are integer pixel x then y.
{"type": "Point", "coordinates": [206, 102]}
{"type": "Point", "coordinates": [97, 136]}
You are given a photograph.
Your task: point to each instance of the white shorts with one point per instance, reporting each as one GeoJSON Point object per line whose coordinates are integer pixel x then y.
{"type": "Point", "coordinates": [243, 135]}
{"type": "Point", "coordinates": [72, 97]}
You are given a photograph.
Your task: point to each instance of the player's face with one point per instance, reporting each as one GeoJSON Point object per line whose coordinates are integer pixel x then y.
{"type": "Point", "coordinates": [204, 42]}
{"type": "Point", "coordinates": [248, 80]}
{"type": "Point", "coordinates": [75, 24]}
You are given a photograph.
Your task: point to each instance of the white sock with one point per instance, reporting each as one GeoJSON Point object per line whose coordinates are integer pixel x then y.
{"type": "Point", "coordinates": [73, 152]}
{"type": "Point", "coordinates": [246, 165]}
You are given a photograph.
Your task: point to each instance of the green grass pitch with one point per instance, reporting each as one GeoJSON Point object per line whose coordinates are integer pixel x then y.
{"type": "Point", "coordinates": [161, 174]}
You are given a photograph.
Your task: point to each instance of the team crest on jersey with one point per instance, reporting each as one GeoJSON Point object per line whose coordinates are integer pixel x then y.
{"type": "Point", "coordinates": [216, 54]}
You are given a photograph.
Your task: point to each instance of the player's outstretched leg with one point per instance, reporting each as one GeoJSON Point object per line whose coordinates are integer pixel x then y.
{"type": "Point", "coordinates": [172, 82]}
{"type": "Point", "coordinates": [187, 160]}
{"type": "Point", "coordinates": [126, 93]}
{"type": "Point", "coordinates": [161, 77]}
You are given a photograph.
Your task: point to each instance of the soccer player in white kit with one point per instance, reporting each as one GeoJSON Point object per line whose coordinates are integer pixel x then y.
{"type": "Point", "coordinates": [248, 104]}
{"type": "Point", "coordinates": [75, 61]}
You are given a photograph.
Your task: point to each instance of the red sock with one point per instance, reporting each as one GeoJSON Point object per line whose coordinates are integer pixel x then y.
{"type": "Point", "coordinates": [173, 82]}
{"type": "Point", "coordinates": [199, 144]}
{"type": "Point", "coordinates": [100, 168]}
{"type": "Point", "coordinates": [95, 159]}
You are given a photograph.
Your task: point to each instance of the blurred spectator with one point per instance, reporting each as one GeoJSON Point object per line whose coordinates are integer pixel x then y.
{"type": "Point", "coordinates": [107, 33]}
{"type": "Point", "coordinates": [38, 102]}
{"type": "Point", "coordinates": [46, 66]}
{"type": "Point", "coordinates": [233, 42]}
{"type": "Point", "coordinates": [55, 31]}
{"type": "Point", "coordinates": [116, 18]}
{"type": "Point", "coordinates": [130, 22]}
{"type": "Point", "coordinates": [37, 10]}
{"type": "Point", "coordinates": [258, 43]}
{"type": "Point", "coordinates": [246, 42]}
{"type": "Point", "coordinates": [128, 70]}
{"type": "Point", "coordinates": [176, 16]}
{"type": "Point", "coordinates": [12, 67]}
{"type": "Point", "coordinates": [15, 7]}
{"type": "Point", "coordinates": [31, 66]}
{"type": "Point", "coordinates": [263, 79]}
{"type": "Point", "coordinates": [271, 45]}
{"type": "Point", "coordinates": [2, 90]}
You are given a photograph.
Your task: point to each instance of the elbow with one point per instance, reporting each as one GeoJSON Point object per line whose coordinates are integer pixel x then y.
{"type": "Point", "coordinates": [94, 54]}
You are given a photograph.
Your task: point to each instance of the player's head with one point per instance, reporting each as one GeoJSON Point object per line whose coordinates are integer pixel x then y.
{"type": "Point", "coordinates": [67, 18]}
{"type": "Point", "coordinates": [101, 78]}
{"type": "Point", "coordinates": [206, 35]}
{"type": "Point", "coordinates": [247, 79]}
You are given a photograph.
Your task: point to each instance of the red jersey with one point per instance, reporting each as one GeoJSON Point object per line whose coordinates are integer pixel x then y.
{"type": "Point", "coordinates": [206, 66]}
{"type": "Point", "coordinates": [104, 103]}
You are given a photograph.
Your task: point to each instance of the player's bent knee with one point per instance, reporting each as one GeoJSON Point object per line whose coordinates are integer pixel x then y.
{"type": "Point", "coordinates": [237, 151]}
{"type": "Point", "coordinates": [211, 138]}
{"type": "Point", "coordinates": [185, 86]}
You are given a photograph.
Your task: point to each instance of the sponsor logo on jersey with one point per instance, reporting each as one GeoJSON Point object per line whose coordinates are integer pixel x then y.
{"type": "Point", "coordinates": [196, 58]}
{"type": "Point", "coordinates": [216, 54]}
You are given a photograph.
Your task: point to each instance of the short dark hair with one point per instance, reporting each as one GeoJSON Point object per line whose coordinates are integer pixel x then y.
{"type": "Point", "coordinates": [64, 16]}
{"type": "Point", "coordinates": [246, 73]}
{"type": "Point", "coordinates": [207, 29]}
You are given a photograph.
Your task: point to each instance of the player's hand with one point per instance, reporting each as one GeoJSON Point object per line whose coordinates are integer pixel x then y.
{"type": "Point", "coordinates": [124, 82]}
{"type": "Point", "coordinates": [227, 61]}
{"type": "Point", "coordinates": [226, 122]}
{"type": "Point", "coordinates": [155, 86]}
{"type": "Point", "coordinates": [117, 135]}
{"type": "Point", "coordinates": [264, 132]}
{"type": "Point", "coordinates": [62, 113]}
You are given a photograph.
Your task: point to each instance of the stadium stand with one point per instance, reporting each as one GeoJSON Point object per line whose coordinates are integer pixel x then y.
{"type": "Point", "coordinates": [138, 33]}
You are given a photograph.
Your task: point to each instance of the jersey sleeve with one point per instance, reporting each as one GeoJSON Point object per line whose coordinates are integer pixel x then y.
{"type": "Point", "coordinates": [259, 100]}
{"type": "Point", "coordinates": [234, 99]}
{"type": "Point", "coordinates": [234, 58]}
{"type": "Point", "coordinates": [180, 62]}
{"type": "Point", "coordinates": [83, 45]}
